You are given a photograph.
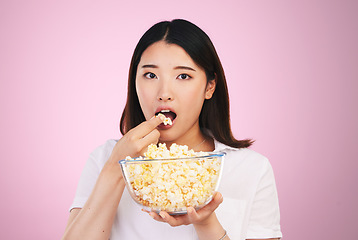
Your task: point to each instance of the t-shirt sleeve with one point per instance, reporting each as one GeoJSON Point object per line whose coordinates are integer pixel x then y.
{"type": "Point", "coordinates": [90, 174]}
{"type": "Point", "coordinates": [264, 221]}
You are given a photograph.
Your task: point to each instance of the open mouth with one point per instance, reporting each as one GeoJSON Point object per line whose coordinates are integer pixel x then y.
{"type": "Point", "coordinates": [167, 113]}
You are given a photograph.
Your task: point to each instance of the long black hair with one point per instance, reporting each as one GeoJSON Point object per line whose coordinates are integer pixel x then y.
{"type": "Point", "coordinates": [215, 114]}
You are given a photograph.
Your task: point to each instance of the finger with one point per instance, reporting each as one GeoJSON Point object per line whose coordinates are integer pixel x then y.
{"type": "Point", "coordinates": [214, 203]}
{"type": "Point", "coordinates": [151, 137]}
{"type": "Point", "coordinates": [218, 198]}
{"type": "Point", "coordinates": [147, 126]}
{"type": "Point", "coordinates": [172, 221]}
{"type": "Point", "coordinates": [143, 210]}
{"type": "Point", "coordinates": [192, 215]}
{"type": "Point", "coordinates": [155, 216]}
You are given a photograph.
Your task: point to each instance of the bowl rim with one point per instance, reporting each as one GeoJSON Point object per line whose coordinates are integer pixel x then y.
{"type": "Point", "coordinates": [138, 161]}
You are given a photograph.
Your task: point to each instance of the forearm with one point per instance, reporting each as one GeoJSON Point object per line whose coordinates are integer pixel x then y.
{"type": "Point", "coordinates": [95, 219]}
{"type": "Point", "coordinates": [211, 229]}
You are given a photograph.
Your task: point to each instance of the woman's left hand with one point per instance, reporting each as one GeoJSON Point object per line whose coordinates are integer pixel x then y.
{"type": "Point", "coordinates": [199, 217]}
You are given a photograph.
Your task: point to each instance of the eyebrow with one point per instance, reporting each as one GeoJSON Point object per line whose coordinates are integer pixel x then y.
{"type": "Point", "coordinates": [149, 66]}
{"type": "Point", "coordinates": [177, 67]}
{"type": "Point", "coordinates": [185, 67]}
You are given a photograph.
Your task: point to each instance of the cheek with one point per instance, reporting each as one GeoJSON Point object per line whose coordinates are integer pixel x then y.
{"type": "Point", "coordinates": [145, 97]}
{"type": "Point", "coordinates": [194, 99]}
{"type": "Point", "coordinates": [142, 95]}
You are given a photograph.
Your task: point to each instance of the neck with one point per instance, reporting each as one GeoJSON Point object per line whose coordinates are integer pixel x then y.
{"type": "Point", "coordinates": [198, 143]}
{"type": "Point", "coordinates": [194, 138]}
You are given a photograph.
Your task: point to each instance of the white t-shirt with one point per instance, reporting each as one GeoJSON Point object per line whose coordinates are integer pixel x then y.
{"type": "Point", "coordinates": [250, 208]}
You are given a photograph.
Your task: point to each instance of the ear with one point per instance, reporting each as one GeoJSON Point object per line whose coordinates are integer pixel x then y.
{"type": "Point", "coordinates": [210, 88]}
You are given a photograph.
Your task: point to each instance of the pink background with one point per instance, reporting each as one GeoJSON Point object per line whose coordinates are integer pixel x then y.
{"type": "Point", "coordinates": [292, 70]}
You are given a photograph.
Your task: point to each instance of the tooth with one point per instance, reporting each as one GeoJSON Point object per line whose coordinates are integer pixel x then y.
{"type": "Point", "coordinates": [165, 110]}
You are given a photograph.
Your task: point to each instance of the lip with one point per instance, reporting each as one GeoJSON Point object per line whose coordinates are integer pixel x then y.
{"type": "Point", "coordinates": [160, 108]}
{"type": "Point", "coordinates": [164, 127]}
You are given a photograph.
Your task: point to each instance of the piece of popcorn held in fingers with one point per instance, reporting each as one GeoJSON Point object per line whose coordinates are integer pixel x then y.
{"type": "Point", "coordinates": [167, 121]}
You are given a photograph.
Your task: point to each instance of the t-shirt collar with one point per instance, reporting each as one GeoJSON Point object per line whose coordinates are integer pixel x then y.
{"type": "Point", "coordinates": [219, 147]}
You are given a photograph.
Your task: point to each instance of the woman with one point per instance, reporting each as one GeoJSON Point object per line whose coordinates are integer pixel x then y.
{"type": "Point", "coordinates": [175, 70]}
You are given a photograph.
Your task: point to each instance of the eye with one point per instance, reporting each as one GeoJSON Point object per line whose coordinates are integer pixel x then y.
{"type": "Point", "coordinates": [184, 76]}
{"type": "Point", "coordinates": [150, 75]}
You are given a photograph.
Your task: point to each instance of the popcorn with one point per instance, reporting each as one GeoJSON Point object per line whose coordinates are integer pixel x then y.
{"type": "Point", "coordinates": [167, 121]}
{"type": "Point", "coordinates": [173, 185]}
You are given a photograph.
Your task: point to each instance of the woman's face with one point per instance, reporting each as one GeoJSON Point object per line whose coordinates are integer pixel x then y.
{"type": "Point", "coordinates": [170, 82]}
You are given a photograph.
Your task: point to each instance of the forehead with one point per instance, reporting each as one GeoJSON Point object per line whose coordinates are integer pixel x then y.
{"type": "Point", "coordinates": [162, 53]}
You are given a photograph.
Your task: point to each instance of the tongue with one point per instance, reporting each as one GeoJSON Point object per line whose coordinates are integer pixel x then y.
{"type": "Point", "coordinates": [170, 115]}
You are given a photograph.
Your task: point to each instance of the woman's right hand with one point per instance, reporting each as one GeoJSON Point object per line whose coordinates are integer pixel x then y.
{"type": "Point", "coordinates": [95, 219]}
{"type": "Point", "coordinates": [135, 141]}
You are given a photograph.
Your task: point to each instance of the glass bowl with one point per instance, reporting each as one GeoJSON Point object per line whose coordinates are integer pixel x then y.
{"type": "Point", "coordinates": [173, 184]}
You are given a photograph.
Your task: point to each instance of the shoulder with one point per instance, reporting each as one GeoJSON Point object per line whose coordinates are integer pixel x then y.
{"type": "Point", "coordinates": [244, 157]}
{"type": "Point", "coordinates": [248, 162]}
{"type": "Point", "coordinates": [243, 169]}
{"type": "Point", "coordinates": [101, 154]}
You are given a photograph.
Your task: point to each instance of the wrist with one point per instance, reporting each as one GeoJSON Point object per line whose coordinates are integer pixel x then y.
{"type": "Point", "coordinates": [208, 222]}
{"type": "Point", "coordinates": [112, 171]}
{"type": "Point", "coordinates": [210, 228]}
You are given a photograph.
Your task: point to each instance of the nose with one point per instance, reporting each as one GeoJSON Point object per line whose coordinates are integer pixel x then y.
{"type": "Point", "coordinates": [165, 98]}
{"type": "Point", "coordinates": [165, 92]}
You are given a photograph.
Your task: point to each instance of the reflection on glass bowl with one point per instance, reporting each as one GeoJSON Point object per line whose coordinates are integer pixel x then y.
{"type": "Point", "coordinates": [174, 184]}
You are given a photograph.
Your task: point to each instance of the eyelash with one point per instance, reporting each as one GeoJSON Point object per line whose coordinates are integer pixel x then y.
{"type": "Point", "coordinates": [186, 78]}
{"type": "Point", "coordinates": [150, 75]}
{"type": "Point", "coordinates": [146, 75]}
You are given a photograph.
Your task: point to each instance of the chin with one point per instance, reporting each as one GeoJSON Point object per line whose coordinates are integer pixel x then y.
{"type": "Point", "coordinates": [167, 136]}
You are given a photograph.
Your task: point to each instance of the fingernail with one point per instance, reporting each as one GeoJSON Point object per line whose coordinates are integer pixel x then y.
{"type": "Point", "coordinates": [162, 215]}
{"type": "Point", "coordinates": [162, 117]}
{"type": "Point", "coordinates": [189, 210]}
{"type": "Point", "coordinates": [151, 215]}
{"type": "Point", "coordinates": [220, 197]}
